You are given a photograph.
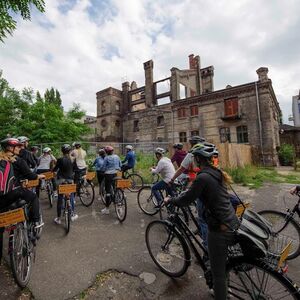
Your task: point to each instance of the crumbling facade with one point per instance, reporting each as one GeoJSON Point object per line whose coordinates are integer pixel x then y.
{"type": "Point", "coordinates": [247, 113]}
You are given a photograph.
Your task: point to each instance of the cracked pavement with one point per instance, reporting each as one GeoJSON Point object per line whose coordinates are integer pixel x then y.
{"type": "Point", "coordinates": [102, 259]}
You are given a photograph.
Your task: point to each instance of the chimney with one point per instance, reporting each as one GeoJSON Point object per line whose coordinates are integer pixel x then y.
{"type": "Point", "coordinates": [192, 61]}
{"type": "Point", "coordinates": [262, 73]}
{"type": "Point", "coordinates": [148, 67]}
{"type": "Point", "coordinates": [125, 96]}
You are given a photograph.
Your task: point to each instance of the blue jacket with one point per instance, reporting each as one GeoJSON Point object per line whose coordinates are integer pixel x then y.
{"type": "Point", "coordinates": [111, 164]}
{"type": "Point", "coordinates": [130, 159]}
{"type": "Point", "coordinates": [98, 163]}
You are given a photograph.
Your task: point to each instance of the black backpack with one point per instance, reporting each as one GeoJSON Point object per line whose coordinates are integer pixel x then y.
{"type": "Point", "coordinates": [7, 178]}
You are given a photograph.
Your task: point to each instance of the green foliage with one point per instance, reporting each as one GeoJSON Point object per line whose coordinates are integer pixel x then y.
{"type": "Point", "coordinates": [11, 7]}
{"type": "Point", "coordinates": [42, 120]}
{"type": "Point", "coordinates": [53, 97]}
{"type": "Point", "coordinates": [286, 154]}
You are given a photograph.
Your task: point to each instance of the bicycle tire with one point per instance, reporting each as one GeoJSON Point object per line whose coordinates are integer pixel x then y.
{"type": "Point", "coordinates": [50, 193]}
{"type": "Point", "coordinates": [167, 248]}
{"type": "Point", "coordinates": [120, 205]}
{"type": "Point", "coordinates": [20, 255]}
{"type": "Point", "coordinates": [137, 182]}
{"type": "Point", "coordinates": [40, 229]}
{"type": "Point", "coordinates": [67, 215]}
{"type": "Point", "coordinates": [102, 192]}
{"type": "Point", "coordinates": [146, 201]}
{"type": "Point", "coordinates": [258, 280]}
{"type": "Point", "coordinates": [87, 193]}
{"type": "Point", "coordinates": [280, 238]}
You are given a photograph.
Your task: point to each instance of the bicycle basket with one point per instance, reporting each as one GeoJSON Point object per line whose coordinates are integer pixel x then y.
{"type": "Point", "coordinates": [123, 183]}
{"type": "Point", "coordinates": [32, 183]}
{"type": "Point", "coordinates": [48, 175]}
{"type": "Point", "coordinates": [12, 217]}
{"type": "Point", "coordinates": [66, 189]}
{"type": "Point", "coordinates": [90, 175]}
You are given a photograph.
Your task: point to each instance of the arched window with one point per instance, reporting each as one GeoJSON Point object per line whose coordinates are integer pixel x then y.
{"type": "Point", "coordinates": [103, 107]}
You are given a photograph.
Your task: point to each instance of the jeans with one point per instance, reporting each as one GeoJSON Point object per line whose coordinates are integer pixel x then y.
{"type": "Point", "coordinates": [100, 178]}
{"type": "Point", "coordinates": [202, 223]}
{"type": "Point", "coordinates": [109, 185]}
{"type": "Point", "coordinates": [218, 243]}
{"type": "Point", "coordinates": [159, 186]}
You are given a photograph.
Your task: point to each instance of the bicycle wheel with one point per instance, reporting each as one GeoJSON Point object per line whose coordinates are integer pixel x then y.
{"type": "Point", "coordinates": [137, 182]}
{"type": "Point", "coordinates": [50, 193]}
{"type": "Point", "coordinates": [257, 280]}
{"type": "Point", "coordinates": [146, 201]}
{"type": "Point", "coordinates": [67, 215]}
{"type": "Point", "coordinates": [282, 234]}
{"type": "Point", "coordinates": [20, 255]}
{"type": "Point", "coordinates": [40, 229]}
{"type": "Point", "coordinates": [120, 205]}
{"type": "Point", "coordinates": [87, 193]}
{"type": "Point", "coordinates": [102, 192]}
{"type": "Point", "coordinates": [167, 248]}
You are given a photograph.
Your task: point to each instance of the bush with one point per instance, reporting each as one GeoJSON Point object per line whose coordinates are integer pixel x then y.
{"type": "Point", "coordinates": [286, 154]}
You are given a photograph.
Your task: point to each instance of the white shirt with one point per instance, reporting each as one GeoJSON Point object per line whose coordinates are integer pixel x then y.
{"type": "Point", "coordinates": [79, 155]}
{"type": "Point", "coordinates": [45, 161]}
{"type": "Point", "coordinates": [165, 168]}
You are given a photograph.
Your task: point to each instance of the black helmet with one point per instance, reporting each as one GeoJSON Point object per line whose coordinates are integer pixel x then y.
{"type": "Point", "coordinates": [76, 144]}
{"type": "Point", "coordinates": [66, 148]}
{"type": "Point", "coordinates": [204, 151]}
{"type": "Point", "coordinates": [34, 148]}
{"type": "Point", "coordinates": [12, 142]}
{"type": "Point", "coordinates": [195, 139]}
{"type": "Point", "coordinates": [178, 146]}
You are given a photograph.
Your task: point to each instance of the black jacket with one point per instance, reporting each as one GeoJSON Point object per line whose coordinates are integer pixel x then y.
{"type": "Point", "coordinates": [64, 166]}
{"type": "Point", "coordinates": [210, 188]}
{"type": "Point", "coordinates": [28, 157]}
{"type": "Point", "coordinates": [22, 171]}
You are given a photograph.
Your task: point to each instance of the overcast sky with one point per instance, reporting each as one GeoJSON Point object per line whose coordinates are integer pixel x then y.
{"type": "Point", "coordinates": [81, 47]}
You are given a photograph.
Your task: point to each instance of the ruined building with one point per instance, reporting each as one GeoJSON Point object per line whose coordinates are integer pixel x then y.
{"type": "Point", "coordinates": [175, 108]}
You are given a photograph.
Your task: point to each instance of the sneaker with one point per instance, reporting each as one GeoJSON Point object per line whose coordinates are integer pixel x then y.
{"type": "Point", "coordinates": [105, 211]}
{"type": "Point", "coordinates": [74, 217]}
{"type": "Point", "coordinates": [55, 194]}
{"type": "Point", "coordinates": [57, 221]}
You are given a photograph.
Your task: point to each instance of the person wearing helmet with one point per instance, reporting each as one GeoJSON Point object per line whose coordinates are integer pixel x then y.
{"type": "Point", "coordinates": [34, 151]}
{"type": "Point", "coordinates": [166, 170]}
{"type": "Point", "coordinates": [98, 164]}
{"type": "Point", "coordinates": [111, 165]}
{"type": "Point", "coordinates": [179, 154]}
{"type": "Point", "coordinates": [80, 167]}
{"type": "Point", "coordinates": [25, 154]}
{"type": "Point", "coordinates": [129, 161]}
{"type": "Point", "coordinates": [46, 163]}
{"type": "Point", "coordinates": [211, 186]}
{"type": "Point", "coordinates": [11, 148]}
{"type": "Point", "coordinates": [64, 169]}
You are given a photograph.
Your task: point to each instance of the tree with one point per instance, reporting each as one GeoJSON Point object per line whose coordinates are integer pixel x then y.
{"type": "Point", "coordinates": [53, 97]}
{"type": "Point", "coordinates": [10, 7]}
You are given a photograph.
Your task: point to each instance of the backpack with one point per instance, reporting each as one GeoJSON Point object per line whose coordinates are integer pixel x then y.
{"type": "Point", "coordinates": [7, 178]}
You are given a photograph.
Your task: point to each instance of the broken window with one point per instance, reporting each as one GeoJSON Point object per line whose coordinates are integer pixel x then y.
{"type": "Point", "coordinates": [160, 121]}
{"type": "Point", "coordinates": [225, 135]}
{"type": "Point", "coordinates": [103, 107]}
{"type": "Point", "coordinates": [117, 106]}
{"type": "Point", "coordinates": [194, 110]}
{"type": "Point", "coordinates": [242, 134]}
{"type": "Point", "coordinates": [183, 91]}
{"type": "Point", "coordinates": [136, 125]}
{"type": "Point", "coordinates": [231, 107]}
{"type": "Point", "coordinates": [181, 112]}
{"type": "Point", "coordinates": [182, 137]}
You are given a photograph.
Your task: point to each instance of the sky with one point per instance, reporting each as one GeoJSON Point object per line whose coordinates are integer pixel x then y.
{"type": "Point", "coordinates": [83, 46]}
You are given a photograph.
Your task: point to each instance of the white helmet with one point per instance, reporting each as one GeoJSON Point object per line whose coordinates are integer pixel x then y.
{"type": "Point", "coordinates": [160, 151]}
{"type": "Point", "coordinates": [46, 150]}
{"type": "Point", "coordinates": [23, 139]}
{"type": "Point", "coordinates": [129, 147]}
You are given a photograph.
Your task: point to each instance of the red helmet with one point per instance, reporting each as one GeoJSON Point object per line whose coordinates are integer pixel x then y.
{"type": "Point", "coordinates": [12, 142]}
{"type": "Point", "coordinates": [109, 149]}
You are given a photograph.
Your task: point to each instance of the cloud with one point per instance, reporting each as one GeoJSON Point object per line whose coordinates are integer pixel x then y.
{"type": "Point", "coordinates": [81, 47]}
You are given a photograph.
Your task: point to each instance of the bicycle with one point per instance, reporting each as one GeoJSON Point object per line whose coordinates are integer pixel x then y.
{"type": "Point", "coordinates": [21, 243]}
{"type": "Point", "coordinates": [66, 189]}
{"type": "Point", "coordinates": [137, 182]}
{"type": "Point", "coordinates": [49, 186]}
{"type": "Point", "coordinates": [284, 228]}
{"type": "Point", "coordinates": [118, 197]}
{"type": "Point", "coordinates": [86, 189]}
{"type": "Point", "coordinates": [252, 272]}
